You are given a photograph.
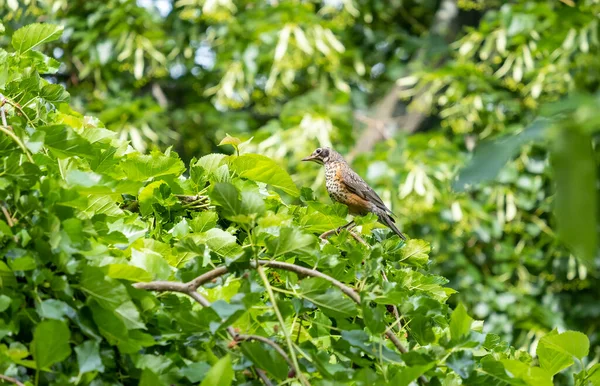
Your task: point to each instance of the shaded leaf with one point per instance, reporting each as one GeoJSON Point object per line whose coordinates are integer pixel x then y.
{"type": "Point", "coordinates": [50, 343]}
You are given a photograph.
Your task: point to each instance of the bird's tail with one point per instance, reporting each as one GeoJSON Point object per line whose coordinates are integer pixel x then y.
{"type": "Point", "coordinates": [387, 220]}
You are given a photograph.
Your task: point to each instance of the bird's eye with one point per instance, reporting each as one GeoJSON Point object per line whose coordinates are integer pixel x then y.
{"type": "Point", "coordinates": [317, 151]}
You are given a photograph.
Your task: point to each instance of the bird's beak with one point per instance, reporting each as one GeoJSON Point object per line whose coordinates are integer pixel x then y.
{"type": "Point", "coordinates": [309, 158]}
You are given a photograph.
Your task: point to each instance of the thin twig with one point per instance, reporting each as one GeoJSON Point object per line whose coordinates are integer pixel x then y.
{"type": "Point", "coordinates": [185, 288]}
{"type": "Point", "coordinates": [2, 112]}
{"type": "Point", "coordinates": [190, 290]}
{"type": "Point", "coordinates": [17, 107]}
{"type": "Point", "coordinates": [286, 333]}
{"type": "Point", "coordinates": [356, 237]}
{"type": "Point", "coordinates": [206, 277]}
{"type": "Point", "coordinates": [14, 137]}
{"type": "Point", "coordinates": [9, 218]}
{"type": "Point", "coordinates": [263, 376]}
{"type": "Point", "coordinates": [11, 380]}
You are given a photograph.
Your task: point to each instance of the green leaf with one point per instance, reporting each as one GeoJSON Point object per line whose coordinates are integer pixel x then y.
{"type": "Point", "coordinates": [410, 374]}
{"type": "Point", "coordinates": [32, 35]}
{"type": "Point", "coordinates": [594, 375]}
{"type": "Point", "coordinates": [229, 140]}
{"type": "Point", "coordinates": [150, 195]}
{"type": "Point", "coordinates": [196, 372]}
{"type": "Point", "coordinates": [88, 357]}
{"type": "Point", "coordinates": [151, 262]}
{"type": "Point", "coordinates": [556, 351]}
{"type": "Point", "coordinates": [266, 359]}
{"type": "Point", "coordinates": [360, 339]}
{"type": "Point", "coordinates": [461, 362]}
{"type": "Point", "coordinates": [494, 373]}
{"type": "Point", "coordinates": [50, 343]}
{"type": "Point", "coordinates": [150, 378]}
{"type": "Point", "coordinates": [140, 167]}
{"type": "Point", "coordinates": [416, 251]}
{"type": "Point", "coordinates": [203, 222]}
{"type": "Point", "coordinates": [460, 322]}
{"type": "Point", "coordinates": [491, 156]}
{"type": "Point", "coordinates": [211, 162]}
{"type": "Point", "coordinates": [263, 169]}
{"type": "Point", "coordinates": [65, 142]}
{"type": "Point", "coordinates": [574, 164]}
{"type": "Point", "coordinates": [290, 240]}
{"type": "Point", "coordinates": [532, 375]}
{"type": "Point", "coordinates": [221, 374]}
{"type": "Point", "coordinates": [109, 293]}
{"type": "Point", "coordinates": [330, 300]}
{"type": "Point", "coordinates": [227, 197]}
{"type": "Point", "coordinates": [220, 242]}
{"type": "Point", "coordinates": [4, 302]}
{"type": "Point", "coordinates": [53, 309]}
{"type": "Point", "coordinates": [110, 325]}
{"type": "Point", "coordinates": [374, 317]}
{"type": "Point", "coordinates": [128, 272]}
{"type": "Point", "coordinates": [54, 93]}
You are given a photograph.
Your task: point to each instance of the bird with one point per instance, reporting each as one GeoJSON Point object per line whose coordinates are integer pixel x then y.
{"type": "Point", "coordinates": [344, 185]}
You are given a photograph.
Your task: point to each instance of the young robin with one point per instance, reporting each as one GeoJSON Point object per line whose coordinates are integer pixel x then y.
{"type": "Point", "coordinates": [345, 186]}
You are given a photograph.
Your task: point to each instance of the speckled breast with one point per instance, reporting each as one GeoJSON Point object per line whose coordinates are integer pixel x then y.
{"type": "Point", "coordinates": [333, 182]}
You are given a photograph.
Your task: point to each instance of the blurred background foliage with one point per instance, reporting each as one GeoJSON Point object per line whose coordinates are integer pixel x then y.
{"type": "Point", "coordinates": [406, 88]}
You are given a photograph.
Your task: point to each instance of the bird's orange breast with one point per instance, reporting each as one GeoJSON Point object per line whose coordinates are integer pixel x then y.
{"type": "Point", "coordinates": [357, 204]}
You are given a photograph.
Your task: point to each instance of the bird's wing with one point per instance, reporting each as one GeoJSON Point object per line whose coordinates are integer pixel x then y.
{"type": "Point", "coordinates": [358, 186]}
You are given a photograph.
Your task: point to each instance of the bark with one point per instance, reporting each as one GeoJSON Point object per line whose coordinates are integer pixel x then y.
{"type": "Point", "coordinates": [381, 123]}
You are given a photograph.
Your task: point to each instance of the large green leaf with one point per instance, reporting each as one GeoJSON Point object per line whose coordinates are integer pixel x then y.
{"type": "Point", "coordinates": [263, 169]}
{"type": "Point", "coordinates": [65, 142]}
{"type": "Point", "coordinates": [221, 374]}
{"type": "Point", "coordinates": [88, 357]}
{"type": "Point", "coordinates": [266, 359]}
{"type": "Point", "coordinates": [290, 240]}
{"type": "Point", "coordinates": [460, 322]}
{"type": "Point", "coordinates": [50, 343]}
{"type": "Point", "coordinates": [415, 251]}
{"type": "Point", "coordinates": [532, 375]}
{"type": "Point", "coordinates": [556, 351]}
{"type": "Point", "coordinates": [227, 196]}
{"type": "Point", "coordinates": [109, 293]}
{"type": "Point", "coordinates": [151, 262]}
{"type": "Point", "coordinates": [330, 300]}
{"type": "Point", "coordinates": [491, 156]}
{"type": "Point", "coordinates": [32, 35]}
{"type": "Point", "coordinates": [139, 167]}
{"type": "Point", "coordinates": [576, 191]}
{"type": "Point", "coordinates": [219, 241]}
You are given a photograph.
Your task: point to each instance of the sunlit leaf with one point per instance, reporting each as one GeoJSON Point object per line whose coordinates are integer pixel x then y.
{"type": "Point", "coordinates": [32, 35]}
{"type": "Point", "coordinates": [263, 169]}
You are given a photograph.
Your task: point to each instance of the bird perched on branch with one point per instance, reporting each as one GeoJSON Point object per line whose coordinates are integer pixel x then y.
{"type": "Point", "coordinates": [346, 187]}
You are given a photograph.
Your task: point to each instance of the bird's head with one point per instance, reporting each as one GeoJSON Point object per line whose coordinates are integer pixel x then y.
{"type": "Point", "coordinates": [322, 155]}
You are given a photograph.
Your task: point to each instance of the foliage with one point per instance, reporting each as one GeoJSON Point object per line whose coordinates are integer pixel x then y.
{"type": "Point", "coordinates": [91, 226]}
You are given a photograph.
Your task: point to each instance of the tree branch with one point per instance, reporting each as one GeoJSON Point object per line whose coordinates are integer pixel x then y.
{"type": "Point", "coordinates": [190, 288]}
{"type": "Point", "coordinates": [186, 288]}
{"type": "Point", "coordinates": [381, 122]}
{"type": "Point", "coordinates": [11, 380]}
{"type": "Point", "coordinates": [206, 277]}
